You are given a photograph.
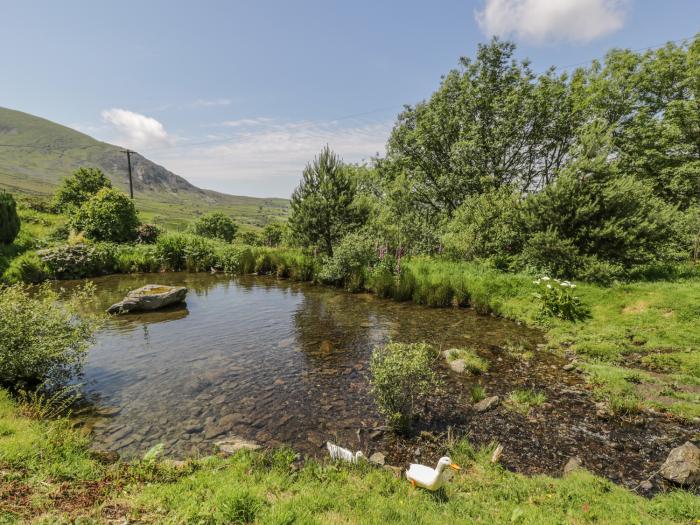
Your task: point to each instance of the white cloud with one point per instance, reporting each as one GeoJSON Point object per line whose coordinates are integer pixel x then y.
{"type": "Point", "coordinates": [265, 157]}
{"type": "Point", "coordinates": [540, 21]}
{"type": "Point", "coordinates": [135, 130]}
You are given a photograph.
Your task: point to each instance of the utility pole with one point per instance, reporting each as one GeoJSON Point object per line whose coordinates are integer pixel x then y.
{"type": "Point", "coordinates": [131, 182]}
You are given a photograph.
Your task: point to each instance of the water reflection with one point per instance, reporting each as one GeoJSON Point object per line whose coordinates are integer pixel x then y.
{"type": "Point", "coordinates": [275, 361]}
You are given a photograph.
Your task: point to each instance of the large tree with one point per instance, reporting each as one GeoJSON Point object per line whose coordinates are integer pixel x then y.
{"type": "Point", "coordinates": [77, 189]}
{"type": "Point", "coordinates": [323, 208]}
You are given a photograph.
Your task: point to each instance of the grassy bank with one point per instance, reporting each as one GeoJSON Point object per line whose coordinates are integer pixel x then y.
{"type": "Point", "coordinates": [48, 475]}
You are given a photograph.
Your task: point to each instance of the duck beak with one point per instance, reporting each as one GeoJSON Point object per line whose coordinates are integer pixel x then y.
{"type": "Point", "coordinates": [454, 466]}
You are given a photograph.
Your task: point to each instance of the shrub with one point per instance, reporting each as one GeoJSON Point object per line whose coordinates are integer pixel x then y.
{"type": "Point", "coordinates": [170, 251]}
{"type": "Point", "coordinates": [402, 377]}
{"type": "Point", "coordinates": [548, 252]}
{"type": "Point", "coordinates": [216, 225]}
{"type": "Point", "coordinates": [272, 234]}
{"type": "Point", "coordinates": [486, 225]}
{"type": "Point", "coordinates": [249, 238]}
{"type": "Point", "coordinates": [109, 215]}
{"type": "Point", "coordinates": [199, 254]}
{"type": "Point", "coordinates": [351, 261]}
{"type": "Point", "coordinates": [147, 233]}
{"type": "Point", "coordinates": [9, 220]}
{"type": "Point", "coordinates": [27, 268]}
{"type": "Point", "coordinates": [557, 299]}
{"type": "Point", "coordinates": [76, 261]}
{"type": "Point", "coordinates": [42, 339]}
{"type": "Point", "coordinates": [77, 189]}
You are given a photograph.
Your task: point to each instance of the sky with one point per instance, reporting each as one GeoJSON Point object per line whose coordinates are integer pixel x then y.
{"type": "Point", "coordinates": [237, 96]}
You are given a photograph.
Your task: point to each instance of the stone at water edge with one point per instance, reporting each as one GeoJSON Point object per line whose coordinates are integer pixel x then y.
{"type": "Point", "coordinates": [377, 458]}
{"type": "Point", "coordinates": [233, 444]}
{"type": "Point", "coordinates": [487, 404]}
{"type": "Point", "coordinates": [574, 463]}
{"type": "Point", "coordinates": [458, 365]}
{"type": "Point", "coordinates": [149, 297]}
{"type": "Point", "coordinates": [682, 465]}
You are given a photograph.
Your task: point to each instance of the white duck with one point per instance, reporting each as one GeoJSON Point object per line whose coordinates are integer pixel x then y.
{"type": "Point", "coordinates": [431, 478]}
{"type": "Point", "coordinates": [337, 452]}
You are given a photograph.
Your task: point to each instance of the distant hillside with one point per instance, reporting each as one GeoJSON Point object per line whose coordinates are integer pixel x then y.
{"type": "Point", "coordinates": [35, 154]}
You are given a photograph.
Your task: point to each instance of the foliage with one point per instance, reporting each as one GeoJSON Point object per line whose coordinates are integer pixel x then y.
{"type": "Point", "coordinates": [350, 262]}
{"type": "Point", "coordinates": [77, 189]}
{"type": "Point", "coordinates": [109, 215]}
{"type": "Point", "coordinates": [75, 261]}
{"type": "Point", "coordinates": [27, 268]}
{"type": "Point", "coordinates": [486, 226]}
{"type": "Point", "coordinates": [606, 216]}
{"type": "Point", "coordinates": [250, 238]}
{"type": "Point", "coordinates": [216, 225]}
{"type": "Point", "coordinates": [148, 233]}
{"type": "Point", "coordinates": [42, 340]}
{"type": "Point", "coordinates": [9, 219]}
{"type": "Point", "coordinates": [272, 234]}
{"type": "Point", "coordinates": [402, 377]}
{"type": "Point", "coordinates": [557, 299]}
{"type": "Point", "coordinates": [322, 210]}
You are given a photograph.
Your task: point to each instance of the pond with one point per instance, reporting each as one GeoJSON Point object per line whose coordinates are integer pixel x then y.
{"type": "Point", "coordinates": [281, 362]}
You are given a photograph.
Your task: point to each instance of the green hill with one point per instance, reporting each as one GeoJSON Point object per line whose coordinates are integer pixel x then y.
{"type": "Point", "coordinates": [35, 154]}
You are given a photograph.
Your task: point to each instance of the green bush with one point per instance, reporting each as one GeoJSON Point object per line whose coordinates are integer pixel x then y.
{"type": "Point", "coordinates": [77, 261]}
{"type": "Point", "coordinates": [272, 234]}
{"type": "Point", "coordinates": [486, 225]}
{"type": "Point", "coordinates": [249, 238]}
{"type": "Point", "coordinates": [110, 215]}
{"type": "Point", "coordinates": [402, 377]}
{"type": "Point", "coordinates": [27, 268]}
{"type": "Point", "coordinates": [351, 261]}
{"type": "Point", "coordinates": [547, 252]}
{"type": "Point", "coordinates": [236, 259]}
{"type": "Point", "coordinates": [148, 233]}
{"type": "Point", "coordinates": [215, 225]}
{"type": "Point", "coordinates": [9, 220]}
{"type": "Point", "coordinates": [42, 339]}
{"type": "Point", "coordinates": [77, 189]}
{"type": "Point", "coordinates": [170, 251]}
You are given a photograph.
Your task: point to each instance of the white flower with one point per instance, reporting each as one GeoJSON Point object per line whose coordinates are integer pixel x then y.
{"type": "Point", "coordinates": [549, 286]}
{"type": "Point", "coordinates": [545, 278]}
{"type": "Point", "coordinates": [536, 282]}
{"type": "Point", "coordinates": [572, 285]}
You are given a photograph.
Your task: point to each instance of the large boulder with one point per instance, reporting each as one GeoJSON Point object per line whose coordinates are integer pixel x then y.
{"type": "Point", "coordinates": [149, 297]}
{"type": "Point", "coordinates": [682, 465]}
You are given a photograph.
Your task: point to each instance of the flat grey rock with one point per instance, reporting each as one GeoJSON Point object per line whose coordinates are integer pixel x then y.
{"type": "Point", "coordinates": [149, 297]}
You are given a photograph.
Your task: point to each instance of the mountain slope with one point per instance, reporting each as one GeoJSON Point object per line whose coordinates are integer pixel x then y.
{"type": "Point", "coordinates": [35, 154]}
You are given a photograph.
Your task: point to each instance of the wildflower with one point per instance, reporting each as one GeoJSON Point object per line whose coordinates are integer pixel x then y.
{"type": "Point", "coordinates": [545, 278]}
{"type": "Point", "coordinates": [549, 286]}
{"type": "Point", "coordinates": [536, 282]}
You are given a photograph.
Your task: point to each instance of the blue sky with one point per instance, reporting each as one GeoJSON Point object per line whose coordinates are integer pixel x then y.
{"type": "Point", "coordinates": [237, 96]}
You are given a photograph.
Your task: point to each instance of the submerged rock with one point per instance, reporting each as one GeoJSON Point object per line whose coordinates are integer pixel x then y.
{"type": "Point", "coordinates": [149, 297]}
{"type": "Point", "coordinates": [682, 465]}
{"type": "Point", "coordinates": [233, 444]}
{"type": "Point", "coordinates": [487, 404]}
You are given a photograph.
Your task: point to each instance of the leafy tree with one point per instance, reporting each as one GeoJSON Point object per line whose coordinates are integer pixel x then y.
{"type": "Point", "coordinates": [9, 219]}
{"type": "Point", "coordinates": [606, 215]}
{"type": "Point", "coordinates": [489, 124]}
{"type": "Point", "coordinates": [272, 234]}
{"type": "Point", "coordinates": [216, 225]}
{"type": "Point", "coordinates": [79, 187]}
{"type": "Point", "coordinates": [322, 209]}
{"type": "Point", "coordinates": [109, 215]}
{"type": "Point", "coordinates": [250, 238]}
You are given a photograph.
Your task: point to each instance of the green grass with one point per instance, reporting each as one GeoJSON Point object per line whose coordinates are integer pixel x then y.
{"type": "Point", "coordinates": [472, 362]}
{"type": "Point", "coordinates": [524, 400]}
{"type": "Point", "coordinates": [48, 463]}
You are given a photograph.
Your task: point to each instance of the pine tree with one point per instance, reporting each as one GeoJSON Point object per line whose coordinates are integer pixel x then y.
{"type": "Point", "coordinates": [9, 220]}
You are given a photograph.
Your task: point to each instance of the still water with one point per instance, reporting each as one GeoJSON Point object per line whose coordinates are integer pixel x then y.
{"type": "Point", "coordinates": [264, 359]}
